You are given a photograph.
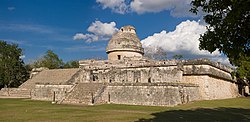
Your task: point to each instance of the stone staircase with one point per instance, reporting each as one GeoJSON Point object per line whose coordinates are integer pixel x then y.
{"type": "Point", "coordinates": [52, 77]}
{"type": "Point", "coordinates": [15, 93]}
{"type": "Point", "coordinates": [84, 93]}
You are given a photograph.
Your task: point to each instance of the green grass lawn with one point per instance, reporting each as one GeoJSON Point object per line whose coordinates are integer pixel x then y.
{"type": "Point", "coordinates": [26, 110]}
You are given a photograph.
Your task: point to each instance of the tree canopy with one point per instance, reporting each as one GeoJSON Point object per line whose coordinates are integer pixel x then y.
{"type": "Point", "coordinates": [52, 61]}
{"type": "Point", "coordinates": [71, 64]}
{"type": "Point", "coordinates": [177, 56]}
{"type": "Point", "coordinates": [12, 69]}
{"type": "Point", "coordinates": [49, 60]}
{"type": "Point", "coordinates": [227, 31]}
{"type": "Point", "coordinates": [155, 53]}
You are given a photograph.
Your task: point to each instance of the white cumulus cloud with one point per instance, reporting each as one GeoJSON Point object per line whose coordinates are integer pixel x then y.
{"type": "Point", "coordinates": [183, 40]}
{"type": "Point", "coordinates": [177, 8]}
{"type": "Point", "coordinates": [117, 6]}
{"type": "Point", "coordinates": [98, 31]}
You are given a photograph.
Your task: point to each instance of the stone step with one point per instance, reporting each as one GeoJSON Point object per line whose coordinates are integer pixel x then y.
{"type": "Point", "coordinates": [53, 76]}
{"type": "Point", "coordinates": [83, 93]}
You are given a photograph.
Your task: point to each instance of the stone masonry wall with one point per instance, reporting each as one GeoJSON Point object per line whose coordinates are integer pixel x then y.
{"type": "Point", "coordinates": [46, 92]}
{"type": "Point", "coordinates": [212, 87]}
{"type": "Point", "coordinates": [15, 93]}
{"type": "Point", "coordinates": [132, 75]}
{"type": "Point", "coordinates": [150, 94]}
{"type": "Point", "coordinates": [114, 55]}
{"type": "Point", "coordinates": [215, 82]}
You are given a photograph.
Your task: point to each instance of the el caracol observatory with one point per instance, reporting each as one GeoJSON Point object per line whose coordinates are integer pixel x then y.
{"type": "Point", "coordinates": [129, 78]}
{"type": "Point", "coordinates": [124, 43]}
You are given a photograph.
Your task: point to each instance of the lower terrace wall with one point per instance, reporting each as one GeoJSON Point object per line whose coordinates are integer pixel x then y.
{"type": "Point", "coordinates": [15, 93]}
{"type": "Point", "coordinates": [50, 92]}
{"type": "Point", "coordinates": [150, 94]}
{"type": "Point", "coordinates": [212, 87]}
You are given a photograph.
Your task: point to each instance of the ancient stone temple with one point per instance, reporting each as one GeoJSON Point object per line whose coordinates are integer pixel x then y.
{"type": "Point", "coordinates": [129, 78]}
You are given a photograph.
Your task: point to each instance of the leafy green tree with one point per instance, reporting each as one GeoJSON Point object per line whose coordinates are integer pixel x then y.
{"type": "Point", "coordinates": [177, 56]}
{"type": "Point", "coordinates": [155, 53]}
{"type": "Point", "coordinates": [243, 71]}
{"type": "Point", "coordinates": [49, 60]}
{"type": "Point", "coordinates": [227, 30]}
{"type": "Point", "coordinates": [71, 64]}
{"type": "Point", "coordinates": [12, 69]}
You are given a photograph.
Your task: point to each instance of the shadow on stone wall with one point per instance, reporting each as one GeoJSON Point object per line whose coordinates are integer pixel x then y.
{"type": "Point", "coordinates": [201, 114]}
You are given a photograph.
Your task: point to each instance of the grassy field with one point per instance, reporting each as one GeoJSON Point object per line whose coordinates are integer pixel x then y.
{"type": "Point", "coordinates": [26, 110]}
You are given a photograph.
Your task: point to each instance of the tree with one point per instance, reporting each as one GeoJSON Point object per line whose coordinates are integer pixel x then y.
{"type": "Point", "coordinates": [177, 56]}
{"type": "Point", "coordinates": [227, 30]}
{"type": "Point", "coordinates": [49, 60]}
{"type": "Point", "coordinates": [156, 53]}
{"type": "Point", "coordinates": [71, 64]}
{"type": "Point", "coordinates": [12, 69]}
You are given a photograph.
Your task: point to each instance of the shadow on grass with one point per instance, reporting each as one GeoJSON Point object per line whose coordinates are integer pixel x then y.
{"type": "Point", "coordinates": [201, 114]}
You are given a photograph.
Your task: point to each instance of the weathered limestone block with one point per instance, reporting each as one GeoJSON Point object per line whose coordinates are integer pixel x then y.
{"type": "Point", "coordinates": [84, 93]}
{"type": "Point", "coordinates": [150, 94]}
{"type": "Point", "coordinates": [212, 87]}
{"type": "Point", "coordinates": [132, 75]}
{"type": "Point", "coordinates": [206, 70]}
{"type": "Point", "coordinates": [15, 93]}
{"type": "Point", "coordinates": [50, 92]}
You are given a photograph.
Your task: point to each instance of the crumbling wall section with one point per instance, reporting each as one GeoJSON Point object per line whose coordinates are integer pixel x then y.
{"type": "Point", "coordinates": [50, 92]}
{"type": "Point", "coordinates": [151, 94]}
{"type": "Point", "coordinates": [15, 93]}
{"type": "Point", "coordinates": [132, 75]}
{"type": "Point", "coordinates": [214, 79]}
{"type": "Point", "coordinates": [212, 87]}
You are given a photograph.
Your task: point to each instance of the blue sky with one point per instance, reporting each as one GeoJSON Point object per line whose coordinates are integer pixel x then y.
{"type": "Point", "coordinates": [39, 25]}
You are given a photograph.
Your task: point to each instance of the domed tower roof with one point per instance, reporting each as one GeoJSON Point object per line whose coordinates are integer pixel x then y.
{"type": "Point", "coordinates": [125, 40]}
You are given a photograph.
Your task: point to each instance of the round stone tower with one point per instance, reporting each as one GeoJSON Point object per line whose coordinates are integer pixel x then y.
{"type": "Point", "coordinates": [125, 43]}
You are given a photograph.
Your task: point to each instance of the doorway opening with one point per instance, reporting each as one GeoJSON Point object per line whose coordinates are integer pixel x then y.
{"type": "Point", "coordinates": [119, 57]}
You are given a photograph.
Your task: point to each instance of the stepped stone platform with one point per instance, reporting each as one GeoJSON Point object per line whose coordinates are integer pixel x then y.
{"type": "Point", "coordinates": [83, 93]}
{"type": "Point", "coordinates": [45, 77]}
{"type": "Point", "coordinates": [50, 77]}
